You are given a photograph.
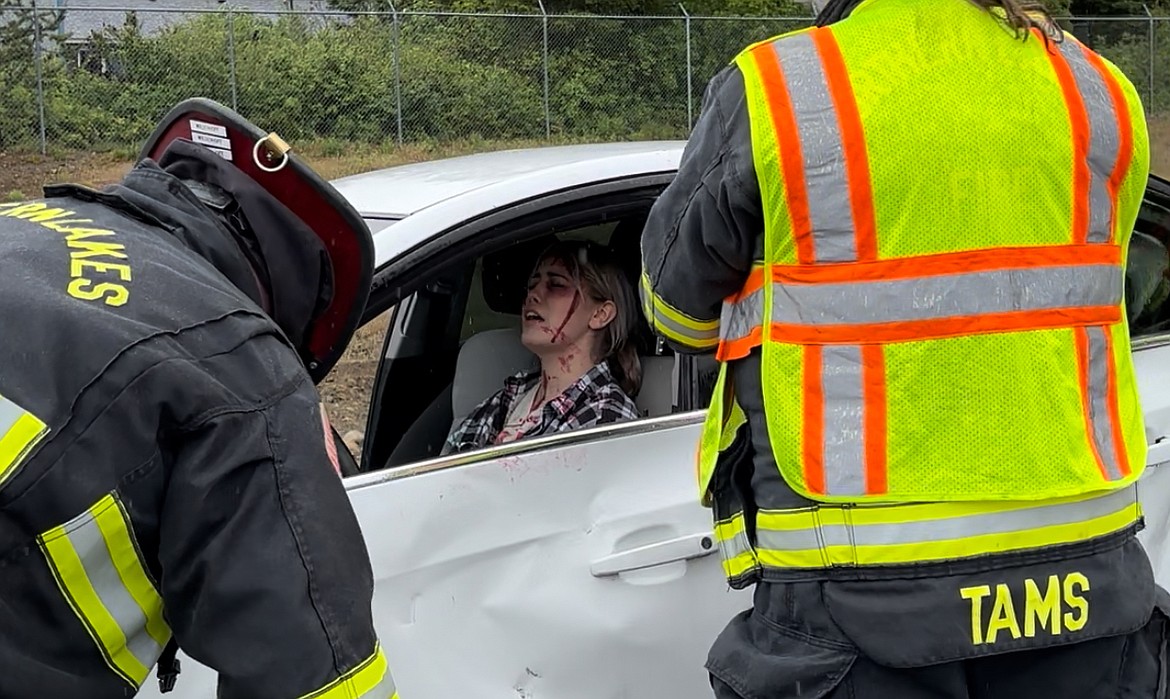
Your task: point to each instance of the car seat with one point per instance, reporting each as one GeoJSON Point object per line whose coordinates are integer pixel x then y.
{"type": "Point", "coordinates": [484, 361]}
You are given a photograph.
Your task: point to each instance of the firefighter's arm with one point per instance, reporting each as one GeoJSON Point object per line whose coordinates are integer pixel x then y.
{"type": "Point", "coordinates": [701, 235]}
{"type": "Point", "coordinates": [265, 575]}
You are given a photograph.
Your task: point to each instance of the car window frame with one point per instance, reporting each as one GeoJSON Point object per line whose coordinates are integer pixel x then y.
{"type": "Point", "coordinates": [526, 447]}
{"type": "Point", "coordinates": [400, 277]}
{"type": "Point", "coordinates": [1157, 187]}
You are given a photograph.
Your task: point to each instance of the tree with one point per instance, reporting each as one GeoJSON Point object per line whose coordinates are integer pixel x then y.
{"type": "Point", "coordinates": [20, 25]}
{"type": "Point", "coordinates": [361, 5]}
{"type": "Point", "coordinates": [773, 8]}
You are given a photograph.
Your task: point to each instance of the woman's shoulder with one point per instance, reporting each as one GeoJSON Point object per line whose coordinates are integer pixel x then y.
{"type": "Point", "coordinates": [607, 391]}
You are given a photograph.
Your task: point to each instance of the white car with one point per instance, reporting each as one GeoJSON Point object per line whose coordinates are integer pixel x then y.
{"type": "Point", "coordinates": [578, 565]}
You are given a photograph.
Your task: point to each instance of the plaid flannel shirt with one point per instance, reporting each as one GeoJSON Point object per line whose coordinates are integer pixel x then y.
{"type": "Point", "coordinates": [594, 399]}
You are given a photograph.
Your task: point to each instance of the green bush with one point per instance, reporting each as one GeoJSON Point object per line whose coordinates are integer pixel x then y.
{"type": "Point", "coordinates": [458, 77]}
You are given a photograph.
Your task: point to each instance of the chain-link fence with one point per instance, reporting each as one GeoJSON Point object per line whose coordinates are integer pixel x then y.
{"type": "Point", "coordinates": [100, 78]}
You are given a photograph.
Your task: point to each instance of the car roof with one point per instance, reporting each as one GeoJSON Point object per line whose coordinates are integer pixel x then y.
{"type": "Point", "coordinates": [431, 197]}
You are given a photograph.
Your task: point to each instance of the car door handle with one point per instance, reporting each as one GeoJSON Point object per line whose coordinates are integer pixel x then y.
{"type": "Point", "coordinates": [659, 553]}
{"type": "Point", "coordinates": [1158, 453]}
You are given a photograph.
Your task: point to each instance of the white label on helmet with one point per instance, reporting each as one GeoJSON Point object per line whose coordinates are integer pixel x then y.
{"type": "Point", "coordinates": [204, 127]}
{"type": "Point", "coordinates": [213, 141]}
{"type": "Point", "coordinates": [225, 154]}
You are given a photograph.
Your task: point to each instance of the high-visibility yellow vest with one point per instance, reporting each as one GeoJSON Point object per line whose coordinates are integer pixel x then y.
{"type": "Point", "coordinates": [940, 305]}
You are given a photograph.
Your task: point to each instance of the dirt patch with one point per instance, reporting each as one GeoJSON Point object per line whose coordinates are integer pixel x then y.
{"type": "Point", "coordinates": [1159, 129]}
{"type": "Point", "coordinates": [346, 391]}
{"type": "Point", "coordinates": [23, 174]}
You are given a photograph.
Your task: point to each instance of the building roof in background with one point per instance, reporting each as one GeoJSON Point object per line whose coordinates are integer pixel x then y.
{"type": "Point", "coordinates": [80, 21]}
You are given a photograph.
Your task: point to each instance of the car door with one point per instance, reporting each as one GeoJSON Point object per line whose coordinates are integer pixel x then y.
{"type": "Point", "coordinates": [576, 565]}
{"type": "Point", "coordinates": [1152, 362]}
{"type": "Point", "coordinates": [573, 566]}
{"type": "Point", "coordinates": [1148, 298]}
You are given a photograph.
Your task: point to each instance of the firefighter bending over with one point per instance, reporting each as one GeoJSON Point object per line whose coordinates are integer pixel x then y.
{"type": "Point", "coordinates": [166, 469]}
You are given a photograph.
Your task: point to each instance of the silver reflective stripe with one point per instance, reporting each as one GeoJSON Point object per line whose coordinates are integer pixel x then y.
{"type": "Point", "coordinates": [737, 320]}
{"type": "Point", "coordinates": [9, 413]}
{"type": "Point", "coordinates": [671, 328]}
{"type": "Point", "coordinates": [948, 296]}
{"type": "Point", "coordinates": [97, 566]}
{"type": "Point", "coordinates": [1102, 424]}
{"type": "Point", "coordinates": [821, 149]}
{"type": "Point", "coordinates": [947, 529]}
{"type": "Point", "coordinates": [697, 337]}
{"type": "Point", "coordinates": [1104, 138]}
{"type": "Point", "coordinates": [20, 431]}
{"type": "Point", "coordinates": [383, 690]}
{"type": "Point", "coordinates": [844, 420]}
{"type": "Point", "coordinates": [929, 298]}
{"type": "Point", "coordinates": [91, 548]}
{"type": "Point", "coordinates": [736, 545]}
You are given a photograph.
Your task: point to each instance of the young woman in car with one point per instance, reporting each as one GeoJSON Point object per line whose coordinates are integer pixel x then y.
{"type": "Point", "coordinates": [578, 319]}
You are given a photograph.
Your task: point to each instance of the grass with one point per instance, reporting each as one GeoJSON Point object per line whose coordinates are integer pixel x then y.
{"type": "Point", "coordinates": [1159, 128]}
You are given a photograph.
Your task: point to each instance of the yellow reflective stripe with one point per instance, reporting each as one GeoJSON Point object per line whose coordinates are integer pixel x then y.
{"type": "Point", "coordinates": [20, 431]}
{"type": "Point", "coordinates": [736, 550]}
{"type": "Point", "coordinates": [675, 324]}
{"type": "Point", "coordinates": [112, 521]}
{"type": "Point", "coordinates": [735, 567]}
{"type": "Point", "coordinates": [925, 513]}
{"type": "Point", "coordinates": [678, 316]}
{"type": "Point", "coordinates": [727, 529]}
{"type": "Point", "coordinates": [850, 536]}
{"type": "Point", "coordinates": [96, 565]}
{"type": "Point", "coordinates": [78, 591]}
{"type": "Point", "coordinates": [369, 680]}
{"type": "Point", "coordinates": [948, 549]}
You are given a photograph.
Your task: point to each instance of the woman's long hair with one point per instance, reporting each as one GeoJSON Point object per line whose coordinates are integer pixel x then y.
{"type": "Point", "coordinates": [600, 276]}
{"type": "Point", "coordinates": [1022, 17]}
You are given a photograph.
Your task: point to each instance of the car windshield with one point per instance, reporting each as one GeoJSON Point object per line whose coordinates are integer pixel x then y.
{"type": "Point", "coordinates": [377, 224]}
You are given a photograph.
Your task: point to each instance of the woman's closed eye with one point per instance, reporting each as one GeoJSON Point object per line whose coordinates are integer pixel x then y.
{"type": "Point", "coordinates": [554, 281]}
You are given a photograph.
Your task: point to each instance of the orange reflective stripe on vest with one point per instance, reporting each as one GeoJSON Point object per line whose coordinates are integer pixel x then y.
{"type": "Point", "coordinates": [1101, 135]}
{"type": "Point", "coordinates": [1099, 396]}
{"type": "Point", "coordinates": [816, 119]}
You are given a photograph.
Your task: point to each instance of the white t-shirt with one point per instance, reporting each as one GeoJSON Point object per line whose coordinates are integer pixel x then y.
{"type": "Point", "coordinates": [521, 418]}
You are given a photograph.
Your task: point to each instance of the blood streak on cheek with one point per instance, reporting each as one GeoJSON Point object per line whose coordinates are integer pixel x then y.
{"type": "Point", "coordinates": [569, 315]}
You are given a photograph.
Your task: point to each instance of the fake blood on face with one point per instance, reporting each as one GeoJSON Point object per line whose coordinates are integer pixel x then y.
{"type": "Point", "coordinates": [568, 316]}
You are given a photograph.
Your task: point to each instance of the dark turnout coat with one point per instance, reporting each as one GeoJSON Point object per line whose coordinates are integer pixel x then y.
{"type": "Point", "coordinates": [164, 464]}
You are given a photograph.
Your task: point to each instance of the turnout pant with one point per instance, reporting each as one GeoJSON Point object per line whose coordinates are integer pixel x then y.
{"type": "Point", "coordinates": [789, 646]}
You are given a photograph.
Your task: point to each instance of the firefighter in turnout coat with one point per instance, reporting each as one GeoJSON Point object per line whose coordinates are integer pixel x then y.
{"type": "Point", "coordinates": [168, 478]}
{"type": "Point", "coordinates": [903, 232]}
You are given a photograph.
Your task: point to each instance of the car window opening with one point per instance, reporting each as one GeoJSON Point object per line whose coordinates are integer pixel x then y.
{"type": "Point", "coordinates": [460, 338]}
{"type": "Point", "coordinates": [1147, 272]}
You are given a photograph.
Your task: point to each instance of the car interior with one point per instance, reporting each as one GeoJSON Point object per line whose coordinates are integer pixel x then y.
{"type": "Point", "coordinates": [458, 337]}
{"type": "Point", "coordinates": [1147, 282]}
{"type": "Point", "coordinates": [456, 333]}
